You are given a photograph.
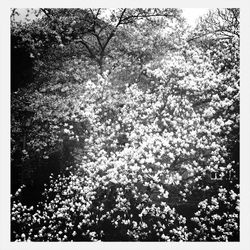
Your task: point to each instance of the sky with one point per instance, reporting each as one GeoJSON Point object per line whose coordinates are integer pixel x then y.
{"type": "Point", "coordinates": [192, 14]}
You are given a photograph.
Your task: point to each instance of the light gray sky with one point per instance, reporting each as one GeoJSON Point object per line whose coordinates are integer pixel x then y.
{"type": "Point", "coordinates": [192, 14]}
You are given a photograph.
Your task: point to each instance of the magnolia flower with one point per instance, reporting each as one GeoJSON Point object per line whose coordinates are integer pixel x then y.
{"type": "Point", "coordinates": [166, 194]}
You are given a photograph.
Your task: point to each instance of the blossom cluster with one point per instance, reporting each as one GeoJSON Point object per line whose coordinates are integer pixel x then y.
{"type": "Point", "coordinates": [218, 218]}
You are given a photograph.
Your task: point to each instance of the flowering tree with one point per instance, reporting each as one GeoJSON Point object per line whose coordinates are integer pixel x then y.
{"type": "Point", "coordinates": [62, 66]}
{"type": "Point", "coordinates": [142, 144]}
{"type": "Point", "coordinates": [218, 34]}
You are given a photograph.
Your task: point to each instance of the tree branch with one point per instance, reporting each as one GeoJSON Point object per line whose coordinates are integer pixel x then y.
{"type": "Point", "coordinates": [46, 12]}
{"type": "Point", "coordinates": [87, 47]}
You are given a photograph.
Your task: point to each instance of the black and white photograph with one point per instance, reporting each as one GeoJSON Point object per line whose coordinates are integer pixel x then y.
{"type": "Point", "coordinates": [124, 124]}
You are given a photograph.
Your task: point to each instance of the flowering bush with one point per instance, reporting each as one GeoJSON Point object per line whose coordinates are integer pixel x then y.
{"type": "Point", "coordinates": [218, 218]}
{"type": "Point", "coordinates": [91, 207]}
